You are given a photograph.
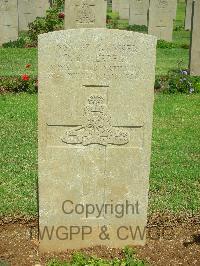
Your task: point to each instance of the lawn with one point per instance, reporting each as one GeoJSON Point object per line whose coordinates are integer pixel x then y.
{"type": "Point", "coordinates": [14, 60]}
{"type": "Point", "coordinates": [175, 167]}
{"type": "Point", "coordinates": [175, 184]}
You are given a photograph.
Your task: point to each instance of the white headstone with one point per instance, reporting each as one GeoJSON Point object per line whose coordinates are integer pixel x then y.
{"type": "Point", "coordinates": [161, 19]}
{"type": "Point", "coordinates": [8, 21]}
{"type": "Point", "coordinates": [124, 6]}
{"type": "Point", "coordinates": [138, 12]}
{"type": "Point", "coordinates": [188, 14]}
{"type": "Point", "coordinates": [85, 14]}
{"type": "Point", "coordinates": [96, 91]}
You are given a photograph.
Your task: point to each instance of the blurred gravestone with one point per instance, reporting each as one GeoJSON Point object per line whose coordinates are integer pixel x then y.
{"type": "Point", "coordinates": [124, 9]}
{"type": "Point", "coordinates": [161, 19]}
{"type": "Point", "coordinates": [96, 91]}
{"type": "Point", "coordinates": [8, 21]}
{"type": "Point", "coordinates": [41, 6]}
{"type": "Point", "coordinates": [26, 10]}
{"type": "Point", "coordinates": [138, 12]}
{"type": "Point", "coordinates": [115, 5]}
{"type": "Point", "coordinates": [195, 43]}
{"type": "Point", "coordinates": [188, 14]}
{"type": "Point", "coordinates": [175, 8]}
{"type": "Point", "coordinates": [85, 14]}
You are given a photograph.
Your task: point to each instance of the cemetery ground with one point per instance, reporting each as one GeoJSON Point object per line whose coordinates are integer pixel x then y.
{"type": "Point", "coordinates": [174, 232]}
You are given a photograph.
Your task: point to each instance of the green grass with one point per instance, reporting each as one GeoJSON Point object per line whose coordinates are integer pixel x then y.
{"type": "Point", "coordinates": [168, 59]}
{"type": "Point", "coordinates": [175, 183]}
{"type": "Point", "coordinates": [14, 60]}
{"type": "Point", "coordinates": [175, 168]}
{"type": "Point", "coordinates": [18, 156]}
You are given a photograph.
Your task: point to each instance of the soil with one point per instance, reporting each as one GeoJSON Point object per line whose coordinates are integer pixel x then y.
{"type": "Point", "coordinates": [171, 240]}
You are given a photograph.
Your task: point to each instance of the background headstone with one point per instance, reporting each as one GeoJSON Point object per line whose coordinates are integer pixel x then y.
{"type": "Point", "coordinates": [85, 14]}
{"type": "Point", "coordinates": [26, 10]}
{"type": "Point", "coordinates": [8, 21]}
{"type": "Point", "coordinates": [195, 43]}
{"type": "Point", "coordinates": [41, 7]}
{"type": "Point", "coordinates": [96, 90]}
{"type": "Point", "coordinates": [115, 5]}
{"type": "Point", "coordinates": [175, 8]}
{"type": "Point", "coordinates": [161, 19]}
{"type": "Point", "coordinates": [188, 14]}
{"type": "Point", "coordinates": [138, 12]}
{"type": "Point", "coordinates": [124, 9]}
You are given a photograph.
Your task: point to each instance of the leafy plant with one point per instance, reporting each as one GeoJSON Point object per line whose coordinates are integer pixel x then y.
{"type": "Point", "coordinates": [112, 20]}
{"type": "Point", "coordinates": [180, 81]}
{"type": "Point", "coordinates": [138, 28]}
{"type": "Point", "coordinates": [166, 45]}
{"type": "Point", "coordinates": [79, 259]}
{"type": "Point", "coordinates": [53, 21]}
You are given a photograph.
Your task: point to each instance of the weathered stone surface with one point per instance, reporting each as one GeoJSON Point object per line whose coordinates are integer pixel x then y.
{"type": "Point", "coordinates": [124, 9]}
{"type": "Point", "coordinates": [138, 12]}
{"type": "Point", "coordinates": [8, 21]}
{"type": "Point", "coordinates": [161, 19]}
{"type": "Point", "coordinates": [95, 122]}
{"type": "Point", "coordinates": [175, 9]}
{"type": "Point", "coordinates": [41, 7]}
{"type": "Point", "coordinates": [85, 14]}
{"type": "Point", "coordinates": [26, 11]}
{"type": "Point", "coordinates": [195, 43]}
{"type": "Point", "coordinates": [115, 5]}
{"type": "Point", "coordinates": [188, 14]}
{"type": "Point", "coordinates": [30, 9]}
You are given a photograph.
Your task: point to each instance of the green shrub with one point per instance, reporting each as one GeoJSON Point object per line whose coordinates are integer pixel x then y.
{"type": "Point", "coordinates": [112, 20]}
{"type": "Point", "coordinates": [137, 28]}
{"type": "Point", "coordinates": [166, 45]}
{"type": "Point", "coordinates": [54, 20]}
{"type": "Point", "coordinates": [25, 83]}
{"type": "Point", "coordinates": [179, 28]}
{"type": "Point", "coordinates": [79, 259]}
{"type": "Point", "coordinates": [19, 43]}
{"type": "Point", "coordinates": [178, 81]}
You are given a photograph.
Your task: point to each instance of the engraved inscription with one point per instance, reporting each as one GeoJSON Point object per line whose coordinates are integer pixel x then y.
{"type": "Point", "coordinates": [4, 5]}
{"type": "Point", "coordinates": [85, 13]}
{"type": "Point", "coordinates": [97, 128]}
{"type": "Point", "coordinates": [162, 4]}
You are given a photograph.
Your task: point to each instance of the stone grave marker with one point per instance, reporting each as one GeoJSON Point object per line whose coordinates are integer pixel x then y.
{"type": "Point", "coordinates": [85, 14]}
{"type": "Point", "coordinates": [188, 14]}
{"type": "Point", "coordinates": [41, 6]}
{"type": "Point", "coordinates": [26, 10]}
{"type": "Point", "coordinates": [161, 19]}
{"type": "Point", "coordinates": [175, 9]}
{"type": "Point", "coordinates": [195, 41]}
{"type": "Point", "coordinates": [115, 5]}
{"type": "Point", "coordinates": [96, 91]}
{"type": "Point", "coordinates": [138, 12]}
{"type": "Point", "coordinates": [8, 21]}
{"type": "Point", "coordinates": [124, 9]}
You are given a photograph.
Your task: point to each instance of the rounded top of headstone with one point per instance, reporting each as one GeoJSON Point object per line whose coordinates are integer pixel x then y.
{"type": "Point", "coordinates": [96, 33]}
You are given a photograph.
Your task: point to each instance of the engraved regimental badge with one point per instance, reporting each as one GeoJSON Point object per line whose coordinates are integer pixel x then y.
{"type": "Point", "coordinates": [97, 128]}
